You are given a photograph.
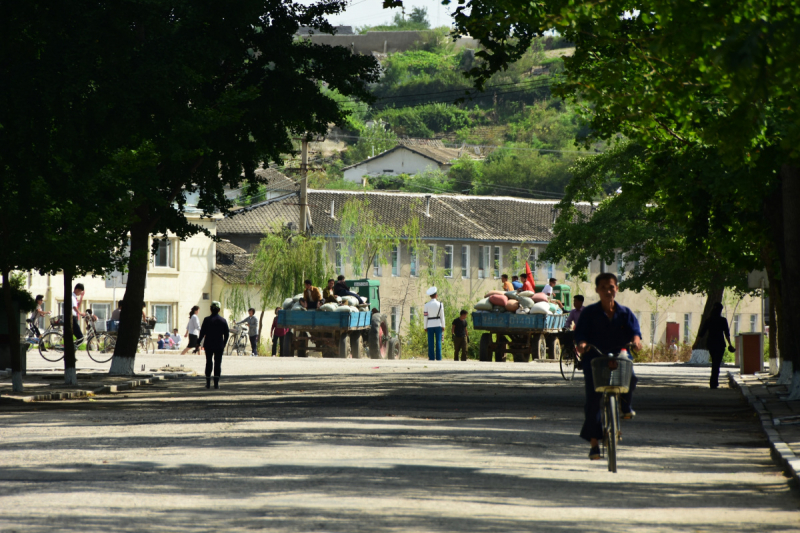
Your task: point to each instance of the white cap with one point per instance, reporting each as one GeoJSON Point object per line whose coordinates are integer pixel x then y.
{"type": "Point", "coordinates": [432, 291]}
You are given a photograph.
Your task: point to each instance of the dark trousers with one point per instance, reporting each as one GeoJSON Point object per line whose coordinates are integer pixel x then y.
{"type": "Point", "coordinates": [76, 328]}
{"type": "Point", "coordinates": [716, 362]}
{"type": "Point", "coordinates": [592, 423]}
{"type": "Point", "coordinates": [460, 344]}
{"type": "Point", "coordinates": [215, 357]}
{"type": "Point", "coordinates": [254, 343]}
{"type": "Point", "coordinates": [275, 341]}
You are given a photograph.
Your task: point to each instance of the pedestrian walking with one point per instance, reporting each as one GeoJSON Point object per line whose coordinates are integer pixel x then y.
{"type": "Point", "coordinates": [434, 324]}
{"type": "Point", "coordinates": [277, 333]}
{"type": "Point", "coordinates": [252, 330]}
{"type": "Point", "coordinates": [77, 298]}
{"type": "Point", "coordinates": [460, 336]}
{"type": "Point", "coordinates": [716, 326]}
{"type": "Point", "coordinates": [192, 330]}
{"type": "Point", "coordinates": [215, 333]}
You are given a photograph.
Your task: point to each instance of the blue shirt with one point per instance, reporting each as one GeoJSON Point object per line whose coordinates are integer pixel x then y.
{"type": "Point", "coordinates": [517, 285]}
{"type": "Point", "coordinates": [610, 336]}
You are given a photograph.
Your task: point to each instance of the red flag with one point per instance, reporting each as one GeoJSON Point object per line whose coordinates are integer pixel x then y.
{"type": "Point", "coordinates": [530, 284]}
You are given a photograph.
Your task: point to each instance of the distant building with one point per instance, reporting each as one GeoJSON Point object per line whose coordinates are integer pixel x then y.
{"type": "Point", "coordinates": [403, 159]}
{"type": "Point", "coordinates": [340, 30]}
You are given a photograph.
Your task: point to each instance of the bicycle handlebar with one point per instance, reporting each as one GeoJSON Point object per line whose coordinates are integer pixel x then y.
{"type": "Point", "coordinates": [630, 347]}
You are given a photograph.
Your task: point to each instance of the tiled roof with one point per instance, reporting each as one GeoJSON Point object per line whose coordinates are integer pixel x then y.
{"type": "Point", "coordinates": [259, 218]}
{"type": "Point", "coordinates": [452, 217]}
{"type": "Point", "coordinates": [228, 248]}
{"type": "Point", "coordinates": [276, 180]}
{"type": "Point", "coordinates": [437, 154]}
{"type": "Point", "coordinates": [237, 271]}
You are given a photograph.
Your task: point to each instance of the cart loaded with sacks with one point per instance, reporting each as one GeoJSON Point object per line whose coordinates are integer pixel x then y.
{"type": "Point", "coordinates": [525, 337]}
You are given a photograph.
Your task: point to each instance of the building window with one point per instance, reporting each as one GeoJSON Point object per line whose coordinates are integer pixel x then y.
{"type": "Point", "coordinates": [533, 253]}
{"type": "Point", "coordinates": [620, 267]}
{"type": "Point", "coordinates": [394, 318]}
{"type": "Point", "coordinates": [736, 323]}
{"type": "Point", "coordinates": [413, 261]}
{"type": "Point", "coordinates": [395, 260]}
{"type": "Point", "coordinates": [448, 261]}
{"type": "Point", "coordinates": [465, 261]}
{"type": "Point", "coordinates": [339, 259]}
{"type": "Point", "coordinates": [101, 311]}
{"type": "Point", "coordinates": [377, 271]}
{"type": "Point", "coordinates": [653, 325]}
{"type": "Point", "coordinates": [61, 309]}
{"type": "Point", "coordinates": [432, 256]}
{"type": "Point", "coordinates": [687, 327]}
{"type": "Point", "coordinates": [163, 316]}
{"type": "Point", "coordinates": [163, 256]}
{"type": "Point", "coordinates": [483, 261]}
{"type": "Point", "coordinates": [550, 271]}
{"type": "Point", "coordinates": [638, 315]}
{"type": "Point", "coordinates": [753, 319]}
{"type": "Point", "coordinates": [412, 313]}
{"type": "Point", "coordinates": [497, 263]}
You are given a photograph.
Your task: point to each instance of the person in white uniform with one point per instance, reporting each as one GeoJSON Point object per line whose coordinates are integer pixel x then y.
{"type": "Point", "coordinates": [434, 325]}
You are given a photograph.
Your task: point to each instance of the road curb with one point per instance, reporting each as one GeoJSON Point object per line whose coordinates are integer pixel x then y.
{"type": "Point", "coordinates": [105, 389]}
{"type": "Point", "coordinates": [780, 451]}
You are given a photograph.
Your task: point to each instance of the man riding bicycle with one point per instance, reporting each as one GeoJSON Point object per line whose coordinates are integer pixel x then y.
{"type": "Point", "coordinates": [609, 327]}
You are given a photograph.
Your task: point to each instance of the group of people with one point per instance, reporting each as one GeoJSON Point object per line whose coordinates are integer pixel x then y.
{"type": "Point", "coordinates": [313, 297]}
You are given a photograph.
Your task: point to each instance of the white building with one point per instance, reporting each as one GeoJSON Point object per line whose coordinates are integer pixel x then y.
{"type": "Point", "coordinates": [403, 159]}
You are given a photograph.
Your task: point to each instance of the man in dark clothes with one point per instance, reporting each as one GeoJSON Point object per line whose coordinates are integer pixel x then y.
{"type": "Point", "coordinates": [460, 336]}
{"type": "Point", "coordinates": [608, 326]}
{"type": "Point", "coordinates": [717, 328]}
{"type": "Point", "coordinates": [215, 332]}
{"type": "Point", "coordinates": [340, 288]}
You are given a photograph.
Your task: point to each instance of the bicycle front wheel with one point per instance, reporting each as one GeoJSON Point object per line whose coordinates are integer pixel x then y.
{"type": "Point", "coordinates": [612, 421]}
{"type": "Point", "coordinates": [230, 347]}
{"type": "Point", "coordinates": [100, 348]}
{"type": "Point", "coordinates": [149, 346]}
{"type": "Point", "coordinates": [51, 347]}
{"type": "Point", "coordinates": [567, 363]}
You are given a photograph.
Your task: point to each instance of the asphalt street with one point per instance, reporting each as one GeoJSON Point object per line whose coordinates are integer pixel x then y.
{"type": "Point", "coordinates": [301, 445]}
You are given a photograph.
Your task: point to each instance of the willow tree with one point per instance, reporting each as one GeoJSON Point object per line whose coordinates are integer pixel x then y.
{"type": "Point", "coordinates": [282, 261]}
{"type": "Point", "coordinates": [368, 240]}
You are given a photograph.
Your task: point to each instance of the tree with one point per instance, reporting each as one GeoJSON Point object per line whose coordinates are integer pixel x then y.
{"type": "Point", "coordinates": [368, 241]}
{"type": "Point", "coordinates": [678, 76]}
{"type": "Point", "coordinates": [282, 261]}
{"type": "Point", "coordinates": [203, 88]}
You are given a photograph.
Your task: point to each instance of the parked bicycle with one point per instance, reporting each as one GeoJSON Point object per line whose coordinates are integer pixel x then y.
{"type": "Point", "coordinates": [99, 346]}
{"type": "Point", "coordinates": [146, 342]}
{"type": "Point", "coordinates": [238, 341]}
{"type": "Point", "coordinates": [568, 359]}
{"type": "Point", "coordinates": [612, 376]}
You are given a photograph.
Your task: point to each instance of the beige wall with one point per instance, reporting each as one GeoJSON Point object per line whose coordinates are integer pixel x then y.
{"type": "Point", "coordinates": [404, 291]}
{"type": "Point", "coordinates": [187, 282]}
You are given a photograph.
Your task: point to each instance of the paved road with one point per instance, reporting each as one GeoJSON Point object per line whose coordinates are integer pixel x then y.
{"type": "Point", "coordinates": [378, 446]}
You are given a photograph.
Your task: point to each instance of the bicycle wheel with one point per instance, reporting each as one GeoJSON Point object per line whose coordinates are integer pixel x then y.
{"type": "Point", "coordinates": [612, 426]}
{"type": "Point", "coordinates": [100, 348]}
{"type": "Point", "coordinates": [229, 347]}
{"type": "Point", "coordinates": [51, 347]}
{"type": "Point", "coordinates": [242, 345]}
{"type": "Point", "coordinates": [149, 346]}
{"type": "Point", "coordinates": [567, 363]}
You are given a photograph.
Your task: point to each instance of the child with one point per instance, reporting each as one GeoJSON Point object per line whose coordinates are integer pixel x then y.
{"type": "Point", "coordinates": [160, 341]}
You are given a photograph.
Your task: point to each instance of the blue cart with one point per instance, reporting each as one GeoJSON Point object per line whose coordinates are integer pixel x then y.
{"type": "Point", "coordinates": [522, 336]}
{"type": "Point", "coordinates": [340, 335]}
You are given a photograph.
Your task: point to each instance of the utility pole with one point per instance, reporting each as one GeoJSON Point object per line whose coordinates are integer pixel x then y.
{"type": "Point", "coordinates": [304, 186]}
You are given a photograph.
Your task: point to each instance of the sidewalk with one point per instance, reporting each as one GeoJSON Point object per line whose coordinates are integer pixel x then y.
{"type": "Point", "coordinates": [780, 419]}
{"type": "Point", "coordinates": [43, 385]}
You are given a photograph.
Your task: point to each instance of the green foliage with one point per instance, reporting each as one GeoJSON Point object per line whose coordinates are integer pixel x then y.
{"type": "Point", "coordinates": [19, 294]}
{"type": "Point", "coordinates": [368, 239]}
{"type": "Point", "coordinates": [522, 172]}
{"type": "Point", "coordinates": [425, 120]}
{"type": "Point", "coordinates": [373, 140]}
{"type": "Point", "coordinates": [282, 261]}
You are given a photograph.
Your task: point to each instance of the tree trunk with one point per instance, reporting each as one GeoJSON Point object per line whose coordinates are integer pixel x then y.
{"type": "Point", "coordinates": [13, 333]}
{"type": "Point", "coordinates": [70, 373]}
{"type": "Point", "coordinates": [131, 318]}
{"type": "Point", "coordinates": [789, 314]}
{"type": "Point", "coordinates": [700, 355]}
{"type": "Point", "coordinates": [774, 364]}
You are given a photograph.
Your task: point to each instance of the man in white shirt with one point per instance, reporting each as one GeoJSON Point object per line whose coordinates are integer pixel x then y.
{"type": "Point", "coordinates": [434, 325]}
{"type": "Point", "coordinates": [76, 313]}
{"type": "Point", "coordinates": [548, 289]}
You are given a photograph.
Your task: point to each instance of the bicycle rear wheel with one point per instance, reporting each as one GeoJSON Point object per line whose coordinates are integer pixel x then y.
{"type": "Point", "coordinates": [100, 348]}
{"type": "Point", "coordinates": [567, 363]}
{"type": "Point", "coordinates": [612, 421]}
{"type": "Point", "coordinates": [51, 347]}
{"type": "Point", "coordinates": [149, 346]}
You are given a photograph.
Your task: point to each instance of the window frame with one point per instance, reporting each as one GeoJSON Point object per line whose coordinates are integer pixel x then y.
{"type": "Point", "coordinates": [395, 260]}
{"type": "Point", "coordinates": [393, 318]}
{"type": "Point", "coordinates": [107, 307]}
{"type": "Point", "coordinates": [753, 323]}
{"type": "Point", "coordinates": [448, 272]}
{"type": "Point", "coordinates": [687, 327]}
{"type": "Point", "coordinates": [377, 268]}
{"type": "Point", "coordinates": [170, 253]}
{"type": "Point", "coordinates": [497, 261]}
{"type": "Point", "coordinates": [338, 258]}
{"type": "Point", "coordinates": [653, 327]}
{"type": "Point", "coordinates": [170, 317]}
{"type": "Point", "coordinates": [465, 259]}
{"type": "Point", "coordinates": [432, 257]}
{"type": "Point", "coordinates": [737, 324]}
{"type": "Point", "coordinates": [484, 260]}
{"type": "Point", "coordinates": [413, 262]}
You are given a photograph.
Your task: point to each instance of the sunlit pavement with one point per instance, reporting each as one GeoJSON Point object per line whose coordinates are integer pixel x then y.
{"type": "Point", "coordinates": [373, 446]}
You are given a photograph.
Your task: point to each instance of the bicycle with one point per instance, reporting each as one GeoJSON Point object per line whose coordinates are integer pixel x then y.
{"type": "Point", "coordinates": [611, 375]}
{"type": "Point", "coordinates": [146, 343]}
{"type": "Point", "coordinates": [568, 359]}
{"type": "Point", "coordinates": [238, 341]}
{"type": "Point", "coordinates": [99, 346]}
